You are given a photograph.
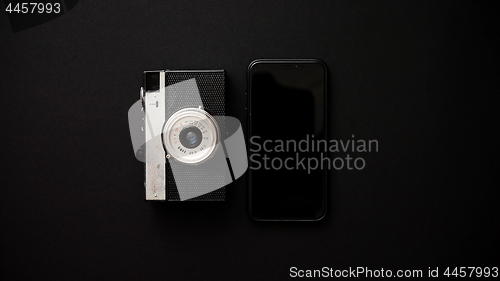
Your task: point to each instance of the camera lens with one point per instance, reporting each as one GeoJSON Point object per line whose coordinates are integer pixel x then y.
{"type": "Point", "coordinates": [190, 137]}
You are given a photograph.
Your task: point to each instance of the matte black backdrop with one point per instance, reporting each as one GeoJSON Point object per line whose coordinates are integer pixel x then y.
{"type": "Point", "coordinates": [420, 77]}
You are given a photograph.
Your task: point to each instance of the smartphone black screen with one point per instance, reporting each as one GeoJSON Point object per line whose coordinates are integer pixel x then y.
{"type": "Point", "coordinates": [286, 110]}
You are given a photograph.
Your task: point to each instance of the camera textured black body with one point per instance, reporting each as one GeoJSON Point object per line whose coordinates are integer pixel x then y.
{"type": "Point", "coordinates": [211, 87]}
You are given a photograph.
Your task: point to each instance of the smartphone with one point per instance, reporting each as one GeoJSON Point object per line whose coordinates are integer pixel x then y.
{"type": "Point", "coordinates": [286, 119]}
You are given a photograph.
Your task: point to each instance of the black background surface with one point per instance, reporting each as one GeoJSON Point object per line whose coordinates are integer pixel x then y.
{"type": "Point", "coordinates": [420, 77]}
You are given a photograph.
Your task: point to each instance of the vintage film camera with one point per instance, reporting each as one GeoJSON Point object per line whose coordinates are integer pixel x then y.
{"type": "Point", "coordinates": [190, 148]}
